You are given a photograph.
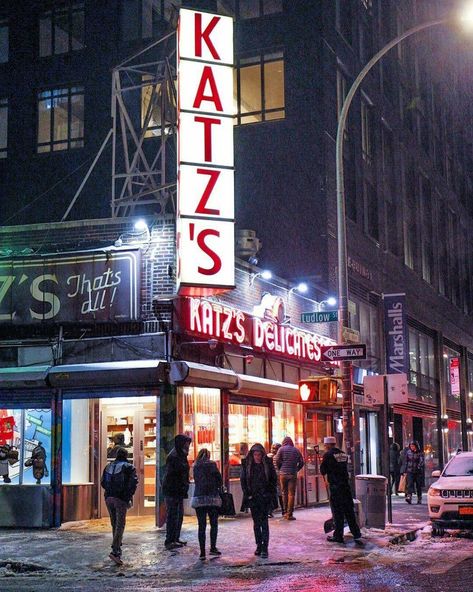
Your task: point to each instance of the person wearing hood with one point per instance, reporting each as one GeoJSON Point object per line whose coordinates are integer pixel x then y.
{"type": "Point", "coordinates": [334, 466]}
{"type": "Point", "coordinates": [413, 468]}
{"type": "Point", "coordinates": [175, 487]}
{"type": "Point", "coordinates": [258, 482]}
{"type": "Point", "coordinates": [289, 462]}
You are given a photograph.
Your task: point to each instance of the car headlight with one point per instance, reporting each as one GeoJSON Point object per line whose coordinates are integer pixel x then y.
{"type": "Point", "coordinates": [434, 492]}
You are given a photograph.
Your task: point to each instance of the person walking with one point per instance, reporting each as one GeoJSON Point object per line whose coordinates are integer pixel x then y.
{"type": "Point", "coordinates": [258, 482]}
{"type": "Point", "coordinates": [413, 468]}
{"type": "Point", "coordinates": [289, 461]}
{"type": "Point", "coordinates": [175, 488]}
{"type": "Point", "coordinates": [119, 480]}
{"type": "Point", "coordinates": [206, 500]}
{"type": "Point", "coordinates": [272, 455]}
{"type": "Point", "coordinates": [334, 466]}
{"type": "Point", "coordinates": [395, 466]}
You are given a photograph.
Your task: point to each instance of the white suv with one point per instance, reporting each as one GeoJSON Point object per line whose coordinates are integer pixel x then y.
{"type": "Point", "coordinates": [450, 498]}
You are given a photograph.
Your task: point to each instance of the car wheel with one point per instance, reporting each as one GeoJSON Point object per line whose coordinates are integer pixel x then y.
{"type": "Point", "coordinates": [437, 531]}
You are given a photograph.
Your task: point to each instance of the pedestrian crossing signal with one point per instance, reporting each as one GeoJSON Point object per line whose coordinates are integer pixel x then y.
{"type": "Point", "coordinates": [321, 390]}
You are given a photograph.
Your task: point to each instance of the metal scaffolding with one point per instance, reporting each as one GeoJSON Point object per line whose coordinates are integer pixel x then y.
{"type": "Point", "coordinates": [144, 132]}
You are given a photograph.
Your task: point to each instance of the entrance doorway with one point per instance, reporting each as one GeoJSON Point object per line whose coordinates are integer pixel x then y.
{"type": "Point", "coordinates": [318, 425]}
{"type": "Point", "coordinates": [131, 422]}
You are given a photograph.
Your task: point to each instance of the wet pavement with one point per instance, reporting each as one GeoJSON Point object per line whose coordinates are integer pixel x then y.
{"type": "Point", "coordinates": [76, 557]}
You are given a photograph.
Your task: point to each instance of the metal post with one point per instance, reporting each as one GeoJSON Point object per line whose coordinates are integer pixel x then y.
{"type": "Point", "coordinates": [346, 367]}
{"type": "Point", "coordinates": [386, 446]}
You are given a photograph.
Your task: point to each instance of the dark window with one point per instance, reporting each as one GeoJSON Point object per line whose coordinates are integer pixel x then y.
{"type": "Point", "coordinates": [60, 119]}
{"type": "Point", "coordinates": [427, 230]}
{"type": "Point", "coordinates": [391, 192]}
{"type": "Point", "coordinates": [410, 218]}
{"type": "Point", "coordinates": [259, 88]}
{"type": "Point", "coordinates": [4, 42]}
{"type": "Point", "coordinates": [443, 253]}
{"type": "Point", "coordinates": [61, 29]}
{"type": "Point", "coordinates": [3, 127]}
{"type": "Point", "coordinates": [372, 221]}
{"type": "Point", "coordinates": [344, 20]}
{"type": "Point", "coordinates": [256, 8]}
{"type": "Point", "coordinates": [367, 131]}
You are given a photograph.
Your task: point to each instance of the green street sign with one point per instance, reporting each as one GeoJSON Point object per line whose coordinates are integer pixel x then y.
{"type": "Point", "coordinates": [325, 316]}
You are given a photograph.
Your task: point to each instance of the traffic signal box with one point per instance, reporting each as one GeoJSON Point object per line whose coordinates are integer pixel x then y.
{"type": "Point", "coordinates": [318, 389]}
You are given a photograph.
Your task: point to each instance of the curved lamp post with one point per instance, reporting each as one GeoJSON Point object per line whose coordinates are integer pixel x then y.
{"type": "Point", "coordinates": [346, 367]}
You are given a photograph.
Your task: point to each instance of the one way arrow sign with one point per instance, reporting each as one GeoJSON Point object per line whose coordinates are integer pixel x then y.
{"type": "Point", "coordinates": [335, 353]}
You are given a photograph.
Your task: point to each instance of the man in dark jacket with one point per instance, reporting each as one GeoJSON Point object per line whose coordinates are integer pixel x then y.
{"type": "Point", "coordinates": [335, 466]}
{"type": "Point", "coordinates": [395, 466]}
{"type": "Point", "coordinates": [289, 462]}
{"type": "Point", "coordinates": [413, 467]}
{"type": "Point", "coordinates": [119, 481]}
{"type": "Point", "coordinates": [175, 488]}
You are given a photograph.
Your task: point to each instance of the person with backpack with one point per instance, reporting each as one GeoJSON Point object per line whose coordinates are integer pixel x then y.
{"type": "Point", "coordinates": [206, 500]}
{"type": "Point", "coordinates": [175, 489]}
{"type": "Point", "coordinates": [119, 480]}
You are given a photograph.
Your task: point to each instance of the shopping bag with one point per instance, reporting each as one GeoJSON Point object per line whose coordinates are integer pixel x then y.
{"type": "Point", "coordinates": [402, 484]}
{"type": "Point", "coordinates": [228, 505]}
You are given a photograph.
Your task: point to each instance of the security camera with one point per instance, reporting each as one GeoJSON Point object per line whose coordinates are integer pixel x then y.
{"type": "Point", "coordinates": [212, 343]}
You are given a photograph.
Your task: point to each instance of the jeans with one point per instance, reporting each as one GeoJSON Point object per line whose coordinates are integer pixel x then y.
{"type": "Point", "coordinates": [341, 503]}
{"type": "Point", "coordinates": [260, 508]}
{"type": "Point", "coordinates": [414, 482]}
{"type": "Point", "coordinates": [175, 514]}
{"type": "Point", "coordinates": [288, 490]}
{"type": "Point", "coordinates": [117, 509]}
{"type": "Point", "coordinates": [212, 513]}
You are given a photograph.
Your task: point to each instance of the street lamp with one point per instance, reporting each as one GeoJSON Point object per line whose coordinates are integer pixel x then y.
{"type": "Point", "coordinates": [346, 377]}
{"type": "Point", "coordinates": [302, 288]}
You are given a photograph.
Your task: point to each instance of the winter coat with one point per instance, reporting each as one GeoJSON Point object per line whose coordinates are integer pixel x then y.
{"type": "Point", "coordinates": [413, 462]}
{"type": "Point", "coordinates": [119, 480]}
{"type": "Point", "coordinates": [394, 458]}
{"type": "Point", "coordinates": [208, 482]}
{"type": "Point", "coordinates": [288, 459]}
{"type": "Point", "coordinates": [176, 471]}
{"type": "Point", "coordinates": [263, 490]}
{"type": "Point", "coordinates": [335, 466]}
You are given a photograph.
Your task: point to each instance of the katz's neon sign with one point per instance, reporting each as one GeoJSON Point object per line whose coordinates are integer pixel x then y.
{"type": "Point", "coordinates": [205, 211]}
{"type": "Point", "coordinates": [215, 320]}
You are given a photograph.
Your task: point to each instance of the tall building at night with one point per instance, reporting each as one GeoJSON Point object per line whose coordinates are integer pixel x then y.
{"type": "Point", "coordinates": [409, 209]}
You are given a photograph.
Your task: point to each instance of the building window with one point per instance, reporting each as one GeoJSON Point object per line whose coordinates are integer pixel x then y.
{"type": "Point", "coordinates": [364, 318]}
{"type": "Point", "coordinates": [288, 420]}
{"type": "Point", "coordinates": [427, 231]}
{"type": "Point", "coordinates": [61, 119]}
{"type": "Point", "coordinates": [371, 203]}
{"type": "Point", "coordinates": [367, 131]}
{"type": "Point", "coordinates": [259, 88]}
{"type": "Point", "coordinates": [247, 424]}
{"type": "Point", "coordinates": [390, 192]}
{"type": "Point", "coordinates": [422, 364]}
{"type": "Point", "coordinates": [255, 8]}
{"type": "Point", "coordinates": [4, 42]}
{"type": "Point", "coordinates": [410, 219]}
{"type": "Point", "coordinates": [61, 29]}
{"type": "Point", "coordinates": [3, 127]}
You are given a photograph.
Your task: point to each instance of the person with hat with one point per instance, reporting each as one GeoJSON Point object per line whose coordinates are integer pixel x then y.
{"type": "Point", "coordinates": [335, 467]}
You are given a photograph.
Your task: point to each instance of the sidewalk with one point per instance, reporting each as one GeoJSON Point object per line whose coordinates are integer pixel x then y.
{"type": "Point", "coordinates": [82, 547]}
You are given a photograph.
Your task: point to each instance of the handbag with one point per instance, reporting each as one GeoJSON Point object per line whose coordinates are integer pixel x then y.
{"type": "Point", "coordinates": [228, 505]}
{"type": "Point", "coordinates": [402, 484]}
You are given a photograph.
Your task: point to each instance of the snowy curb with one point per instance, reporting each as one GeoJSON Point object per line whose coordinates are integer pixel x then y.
{"type": "Point", "coordinates": [408, 536]}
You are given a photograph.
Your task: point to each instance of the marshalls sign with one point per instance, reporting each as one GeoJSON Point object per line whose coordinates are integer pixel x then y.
{"type": "Point", "coordinates": [205, 222]}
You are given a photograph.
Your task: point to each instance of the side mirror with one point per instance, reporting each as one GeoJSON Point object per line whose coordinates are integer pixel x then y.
{"type": "Point", "coordinates": [436, 473]}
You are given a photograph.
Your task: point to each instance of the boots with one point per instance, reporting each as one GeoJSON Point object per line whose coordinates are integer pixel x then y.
{"type": "Point", "coordinates": [409, 498]}
{"type": "Point", "coordinates": [419, 500]}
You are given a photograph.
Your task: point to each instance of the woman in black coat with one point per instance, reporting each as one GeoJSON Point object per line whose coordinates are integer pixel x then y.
{"type": "Point", "coordinates": [206, 500]}
{"type": "Point", "coordinates": [258, 481]}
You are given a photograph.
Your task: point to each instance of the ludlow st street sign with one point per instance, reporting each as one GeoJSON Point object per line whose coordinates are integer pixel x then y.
{"type": "Point", "coordinates": [325, 316]}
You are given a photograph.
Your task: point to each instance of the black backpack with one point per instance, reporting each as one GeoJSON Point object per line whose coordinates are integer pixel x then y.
{"type": "Point", "coordinates": [114, 479]}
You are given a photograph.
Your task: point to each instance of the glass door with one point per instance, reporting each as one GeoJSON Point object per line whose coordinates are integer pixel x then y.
{"type": "Point", "coordinates": [132, 425]}
{"type": "Point", "coordinates": [318, 425]}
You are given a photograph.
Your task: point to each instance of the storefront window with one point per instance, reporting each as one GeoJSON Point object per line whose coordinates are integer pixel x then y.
{"type": "Point", "coordinates": [75, 442]}
{"type": "Point", "coordinates": [200, 416]}
{"type": "Point", "coordinates": [25, 446]}
{"type": "Point", "coordinates": [247, 425]}
{"type": "Point", "coordinates": [454, 438]}
{"type": "Point", "coordinates": [288, 421]}
{"type": "Point", "coordinates": [430, 433]}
